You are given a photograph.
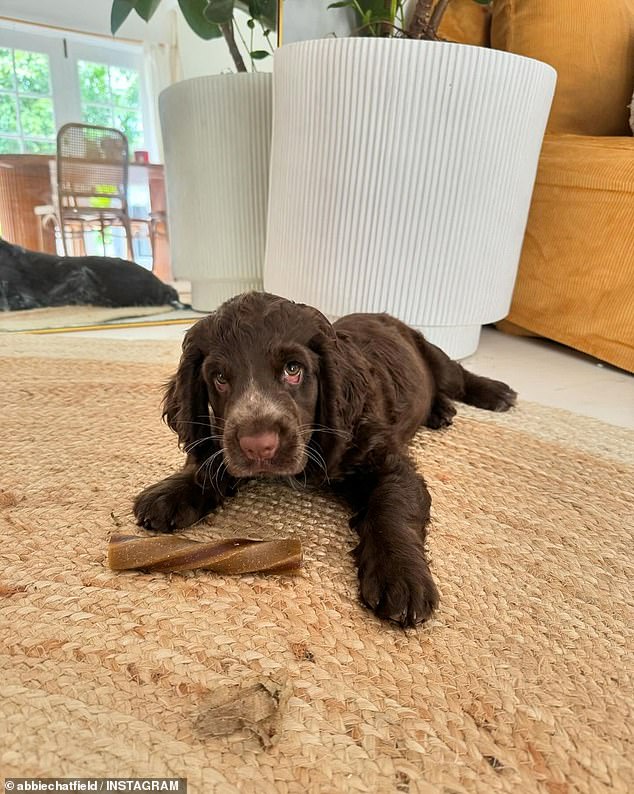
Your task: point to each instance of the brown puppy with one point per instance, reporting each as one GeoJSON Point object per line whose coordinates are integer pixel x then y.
{"type": "Point", "coordinates": [268, 387]}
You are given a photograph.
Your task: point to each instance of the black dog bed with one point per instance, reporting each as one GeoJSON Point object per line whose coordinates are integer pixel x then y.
{"type": "Point", "coordinates": [33, 280]}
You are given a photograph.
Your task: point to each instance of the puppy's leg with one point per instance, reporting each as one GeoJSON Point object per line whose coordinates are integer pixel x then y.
{"type": "Point", "coordinates": [392, 504]}
{"type": "Point", "coordinates": [453, 381]}
{"type": "Point", "coordinates": [492, 395]}
{"type": "Point", "coordinates": [179, 500]}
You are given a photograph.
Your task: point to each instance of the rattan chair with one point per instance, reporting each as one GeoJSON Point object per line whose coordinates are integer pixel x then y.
{"type": "Point", "coordinates": [92, 180]}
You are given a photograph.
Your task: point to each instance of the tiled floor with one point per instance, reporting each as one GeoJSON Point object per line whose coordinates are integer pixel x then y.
{"type": "Point", "coordinates": [540, 371]}
{"type": "Point", "coordinates": [551, 374]}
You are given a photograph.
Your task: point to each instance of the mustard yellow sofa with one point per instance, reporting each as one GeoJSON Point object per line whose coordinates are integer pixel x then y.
{"type": "Point", "coordinates": [575, 282]}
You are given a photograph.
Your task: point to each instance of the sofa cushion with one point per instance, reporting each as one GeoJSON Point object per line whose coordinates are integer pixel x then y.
{"type": "Point", "coordinates": [575, 282]}
{"type": "Point", "coordinates": [591, 45]}
{"type": "Point", "coordinates": [466, 22]}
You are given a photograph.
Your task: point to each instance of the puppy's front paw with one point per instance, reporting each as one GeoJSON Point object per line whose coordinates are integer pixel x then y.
{"type": "Point", "coordinates": [441, 413]}
{"type": "Point", "coordinates": [396, 587]}
{"type": "Point", "coordinates": [170, 505]}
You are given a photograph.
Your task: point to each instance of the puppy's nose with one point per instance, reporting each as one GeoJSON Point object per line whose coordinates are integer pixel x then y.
{"type": "Point", "coordinates": [262, 446]}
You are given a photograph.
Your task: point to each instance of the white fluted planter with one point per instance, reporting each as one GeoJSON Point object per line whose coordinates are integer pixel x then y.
{"type": "Point", "coordinates": [401, 178]}
{"type": "Point", "coordinates": [216, 139]}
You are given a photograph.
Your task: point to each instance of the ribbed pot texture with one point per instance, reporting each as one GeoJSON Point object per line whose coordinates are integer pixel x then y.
{"type": "Point", "coordinates": [216, 137]}
{"type": "Point", "coordinates": [401, 179]}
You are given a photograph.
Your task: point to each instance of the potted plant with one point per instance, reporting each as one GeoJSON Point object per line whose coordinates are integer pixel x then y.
{"type": "Point", "coordinates": [210, 19]}
{"type": "Point", "coordinates": [216, 139]}
{"type": "Point", "coordinates": [420, 20]}
{"type": "Point", "coordinates": [402, 169]}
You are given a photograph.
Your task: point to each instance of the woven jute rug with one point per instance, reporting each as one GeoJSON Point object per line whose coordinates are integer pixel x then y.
{"type": "Point", "coordinates": [74, 316]}
{"type": "Point", "coordinates": [521, 683]}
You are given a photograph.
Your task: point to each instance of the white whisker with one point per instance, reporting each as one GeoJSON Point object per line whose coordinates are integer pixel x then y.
{"type": "Point", "coordinates": [213, 437]}
{"type": "Point", "coordinates": [325, 429]}
{"type": "Point", "coordinates": [318, 459]}
{"type": "Point", "coordinates": [206, 464]}
{"type": "Point", "coordinates": [220, 470]}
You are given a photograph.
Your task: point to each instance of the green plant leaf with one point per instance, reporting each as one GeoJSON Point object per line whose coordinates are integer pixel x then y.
{"type": "Point", "coordinates": [375, 17]}
{"type": "Point", "coordinates": [146, 8]}
{"type": "Point", "coordinates": [265, 11]}
{"type": "Point", "coordinates": [193, 13]}
{"type": "Point", "coordinates": [257, 55]}
{"type": "Point", "coordinates": [219, 11]}
{"type": "Point", "coordinates": [378, 10]}
{"type": "Point", "coordinates": [120, 11]}
{"type": "Point", "coordinates": [256, 8]}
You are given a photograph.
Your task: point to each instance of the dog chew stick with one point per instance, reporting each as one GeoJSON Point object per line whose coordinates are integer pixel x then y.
{"type": "Point", "coordinates": [230, 556]}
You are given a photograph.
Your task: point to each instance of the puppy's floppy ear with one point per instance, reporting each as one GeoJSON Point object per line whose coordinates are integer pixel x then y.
{"type": "Point", "coordinates": [186, 402]}
{"type": "Point", "coordinates": [342, 389]}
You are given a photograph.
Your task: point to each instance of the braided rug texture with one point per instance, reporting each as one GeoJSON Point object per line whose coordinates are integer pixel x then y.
{"type": "Point", "coordinates": [69, 316]}
{"type": "Point", "coordinates": [521, 683]}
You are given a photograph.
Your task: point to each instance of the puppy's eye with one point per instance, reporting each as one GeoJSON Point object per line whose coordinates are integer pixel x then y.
{"type": "Point", "coordinates": [220, 382]}
{"type": "Point", "coordinates": [293, 372]}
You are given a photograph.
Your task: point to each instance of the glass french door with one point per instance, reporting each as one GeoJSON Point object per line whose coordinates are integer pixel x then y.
{"type": "Point", "coordinates": [48, 79]}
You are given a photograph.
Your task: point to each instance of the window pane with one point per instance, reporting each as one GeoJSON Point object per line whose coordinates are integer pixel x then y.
{"type": "Point", "coordinates": [8, 113]}
{"type": "Point", "coordinates": [32, 72]}
{"type": "Point", "coordinates": [7, 81]}
{"type": "Point", "coordinates": [37, 117]}
{"type": "Point", "coordinates": [97, 114]}
{"type": "Point", "coordinates": [129, 122]}
{"type": "Point", "coordinates": [124, 84]}
{"type": "Point", "coordinates": [39, 147]}
{"type": "Point", "coordinates": [93, 82]}
{"type": "Point", "coordinates": [110, 97]}
{"type": "Point", "coordinates": [9, 146]}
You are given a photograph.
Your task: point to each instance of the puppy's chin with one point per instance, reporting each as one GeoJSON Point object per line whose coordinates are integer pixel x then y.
{"type": "Point", "coordinates": [265, 468]}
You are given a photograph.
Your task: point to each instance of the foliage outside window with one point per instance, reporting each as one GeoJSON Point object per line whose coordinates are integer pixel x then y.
{"type": "Point", "coordinates": [110, 97]}
{"type": "Point", "coordinates": [27, 117]}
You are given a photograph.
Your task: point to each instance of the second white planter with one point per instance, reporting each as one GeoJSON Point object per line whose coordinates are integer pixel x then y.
{"type": "Point", "coordinates": [401, 179]}
{"type": "Point", "coordinates": [216, 138]}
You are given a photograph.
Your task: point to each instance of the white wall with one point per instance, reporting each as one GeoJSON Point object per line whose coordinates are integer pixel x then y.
{"type": "Point", "coordinates": [197, 57]}
{"type": "Point", "coordinates": [312, 19]}
{"type": "Point", "coordinates": [90, 16]}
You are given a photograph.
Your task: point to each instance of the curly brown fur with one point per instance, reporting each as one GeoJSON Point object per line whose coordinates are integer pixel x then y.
{"type": "Point", "coordinates": [268, 387]}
